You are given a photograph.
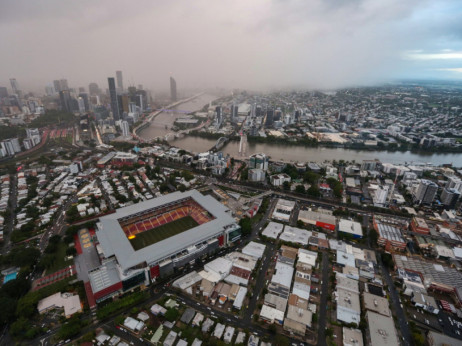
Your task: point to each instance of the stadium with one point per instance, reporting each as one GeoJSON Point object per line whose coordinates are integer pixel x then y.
{"type": "Point", "coordinates": [142, 242]}
{"type": "Point", "coordinates": [156, 224]}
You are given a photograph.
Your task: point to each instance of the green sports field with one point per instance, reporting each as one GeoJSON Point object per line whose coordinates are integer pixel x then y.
{"type": "Point", "coordinates": [163, 232]}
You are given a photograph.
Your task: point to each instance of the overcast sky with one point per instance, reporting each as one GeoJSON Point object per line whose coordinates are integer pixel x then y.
{"type": "Point", "coordinates": [248, 44]}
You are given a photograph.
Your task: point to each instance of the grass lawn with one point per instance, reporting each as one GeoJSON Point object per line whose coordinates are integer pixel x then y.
{"type": "Point", "coordinates": [59, 262]}
{"type": "Point", "coordinates": [162, 232]}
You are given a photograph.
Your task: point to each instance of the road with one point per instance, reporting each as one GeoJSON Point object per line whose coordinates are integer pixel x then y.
{"type": "Point", "coordinates": [260, 283]}
{"type": "Point", "coordinates": [394, 298]}
{"type": "Point", "coordinates": [8, 229]}
{"type": "Point", "coordinates": [322, 321]}
{"type": "Point", "coordinates": [58, 223]}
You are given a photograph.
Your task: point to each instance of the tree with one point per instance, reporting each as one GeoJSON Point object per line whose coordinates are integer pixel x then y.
{"type": "Point", "coordinates": [7, 307]}
{"type": "Point", "coordinates": [70, 329]}
{"type": "Point", "coordinates": [313, 191]}
{"type": "Point", "coordinates": [16, 288]}
{"type": "Point", "coordinates": [171, 315]}
{"type": "Point", "coordinates": [27, 305]}
{"type": "Point", "coordinates": [19, 326]}
{"type": "Point", "coordinates": [246, 226]}
{"type": "Point", "coordinates": [281, 340]}
{"type": "Point", "coordinates": [338, 190]}
{"type": "Point", "coordinates": [311, 177]}
{"type": "Point", "coordinates": [72, 214]}
{"type": "Point", "coordinates": [286, 185]}
{"type": "Point", "coordinates": [71, 251]}
{"type": "Point", "coordinates": [418, 338]}
{"type": "Point", "coordinates": [300, 189]}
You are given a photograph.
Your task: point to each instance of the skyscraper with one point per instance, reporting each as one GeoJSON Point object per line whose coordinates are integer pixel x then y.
{"type": "Point", "coordinates": [81, 103]}
{"type": "Point", "coordinates": [93, 89]}
{"type": "Point", "coordinates": [3, 92]}
{"type": "Point", "coordinates": [15, 86]}
{"type": "Point", "coordinates": [125, 128]}
{"type": "Point", "coordinates": [86, 101]}
{"type": "Point", "coordinates": [113, 96]}
{"type": "Point", "coordinates": [57, 86]}
{"type": "Point", "coordinates": [449, 197]}
{"type": "Point", "coordinates": [173, 89]}
{"type": "Point", "coordinates": [66, 102]}
{"type": "Point", "coordinates": [425, 192]}
{"type": "Point", "coordinates": [63, 84]}
{"type": "Point", "coordinates": [269, 117]}
{"type": "Point", "coordinates": [120, 83]}
{"type": "Point", "coordinates": [234, 116]}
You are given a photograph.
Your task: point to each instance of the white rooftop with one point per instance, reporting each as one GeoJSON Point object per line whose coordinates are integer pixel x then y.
{"type": "Point", "coordinates": [273, 230]}
{"type": "Point", "coordinates": [381, 329]}
{"type": "Point", "coordinates": [351, 227]}
{"type": "Point", "coordinates": [68, 301]}
{"type": "Point", "coordinates": [221, 266]}
{"type": "Point", "coordinates": [283, 275]}
{"type": "Point", "coordinates": [254, 249]}
{"type": "Point", "coordinates": [271, 314]}
{"type": "Point", "coordinates": [307, 257]}
{"type": "Point", "coordinates": [295, 235]}
{"type": "Point", "coordinates": [346, 259]}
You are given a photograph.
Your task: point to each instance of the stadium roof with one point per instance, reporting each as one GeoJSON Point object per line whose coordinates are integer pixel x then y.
{"type": "Point", "coordinates": [114, 241]}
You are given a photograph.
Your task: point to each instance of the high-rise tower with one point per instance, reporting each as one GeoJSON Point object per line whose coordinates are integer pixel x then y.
{"type": "Point", "coordinates": [173, 89]}
{"type": "Point", "coordinates": [120, 83]}
{"type": "Point", "coordinates": [113, 96]}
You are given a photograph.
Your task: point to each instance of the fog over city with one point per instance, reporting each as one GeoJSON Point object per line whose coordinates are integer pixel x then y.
{"type": "Point", "coordinates": [238, 44]}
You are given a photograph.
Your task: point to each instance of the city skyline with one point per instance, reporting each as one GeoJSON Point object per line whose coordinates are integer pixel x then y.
{"type": "Point", "coordinates": [239, 45]}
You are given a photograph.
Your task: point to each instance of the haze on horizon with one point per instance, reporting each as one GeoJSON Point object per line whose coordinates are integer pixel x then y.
{"type": "Point", "coordinates": [240, 44]}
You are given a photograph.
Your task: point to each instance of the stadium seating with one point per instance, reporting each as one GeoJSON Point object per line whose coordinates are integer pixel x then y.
{"type": "Point", "coordinates": [161, 216]}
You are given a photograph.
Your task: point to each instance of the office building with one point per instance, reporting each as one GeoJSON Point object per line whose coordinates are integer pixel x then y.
{"type": "Point", "coordinates": [63, 84]}
{"type": "Point", "coordinates": [15, 86]}
{"type": "Point", "coordinates": [234, 115]}
{"type": "Point", "coordinates": [256, 174]}
{"type": "Point", "coordinates": [454, 182]}
{"type": "Point", "coordinates": [259, 161]}
{"type": "Point", "coordinates": [81, 104]}
{"type": "Point", "coordinates": [93, 89]}
{"type": "Point", "coordinates": [113, 95]}
{"type": "Point", "coordinates": [449, 197]}
{"type": "Point", "coordinates": [86, 101]}
{"type": "Point", "coordinates": [125, 128]}
{"type": "Point", "coordinates": [173, 95]}
{"type": "Point", "coordinates": [3, 92]}
{"type": "Point", "coordinates": [425, 192]}
{"type": "Point", "coordinates": [49, 90]}
{"type": "Point", "coordinates": [269, 118]}
{"type": "Point", "coordinates": [57, 86]}
{"type": "Point", "coordinates": [10, 146]}
{"type": "Point", "coordinates": [380, 196]}
{"type": "Point", "coordinates": [120, 84]}
{"type": "Point", "coordinates": [34, 135]}
{"type": "Point", "coordinates": [65, 101]}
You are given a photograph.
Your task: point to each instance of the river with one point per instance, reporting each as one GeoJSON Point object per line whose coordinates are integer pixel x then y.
{"type": "Point", "coordinates": [287, 153]}
{"type": "Point", "coordinates": [162, 123]}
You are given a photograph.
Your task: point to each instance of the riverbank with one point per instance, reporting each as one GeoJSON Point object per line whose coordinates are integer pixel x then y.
{"type": "Point", "coordinates": [307, 142]}
{"type": "Point", "coordinates": [295, 153]}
